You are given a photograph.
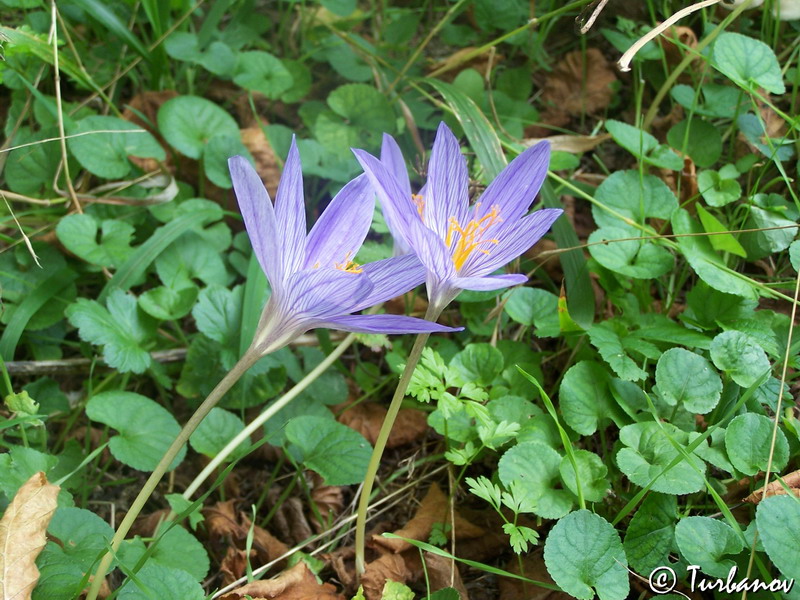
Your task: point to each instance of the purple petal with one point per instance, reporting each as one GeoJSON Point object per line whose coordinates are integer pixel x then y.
{"type": "Point", "coordinates": [395, 202]}
{"type": "Point", "coordinates": [432, 251]}
{"type": "Point", "coordinates": [392, 159]}
{"type": "Point", "coordinates": [324, 293]}
{"type": "Point", "coordinates": [339, 232]}
{"type": "Point", "coordinates": [447, 193]}
{"type": "Point", "coordinates": [514, 190]}
{"type": "Point", "coordinates": [512, 242]}
{"type": "Point", "coordinates": [391, 278]}
{"type": "Point", "coordinates": [488, 283]}
{"type": "Point", "coordinates": [290, 211]}
{"type": "Point", "coordinates": [385, 324]}
{"type": "Point", "coordinates": [259, 218]}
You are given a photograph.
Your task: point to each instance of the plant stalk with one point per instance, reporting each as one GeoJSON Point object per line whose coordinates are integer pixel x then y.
{"type": "Point", "coordinates": [248, 360]}
{"type": "Point", "coordinates": [383, 436]}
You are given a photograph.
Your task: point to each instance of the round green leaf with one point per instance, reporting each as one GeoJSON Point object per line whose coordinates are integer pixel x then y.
{"type": "Point", "coordinates": [167, 304]}
{"type": "Point", "coordinates": [533, 470]}
{"type": "Point", "coordinates": [534, 306]}
{"type": "Point", "coordinates": [106, 154]}
{"type": "Point", "coordinates": [635, 196]}
{"type": "Point", "coordinates": [683, 376]}
{"type": "Point", "coordinates": [214, 433]}
{"type": "Point", "coordinates": [584, 396]}
{"type": "Point", "coordinates": [699, 139]}
{"type": "Point", "coordinates": [591, 475]}
{"type": "Point", "coordinates": [189, 122]}
{"type": "Point", "coordinates": [477, 363]}
{"type": "Point", "coordinates": [146, 429]}
{"type": "Point", "coordinates": [30, 168]}
{"type": "Point", "coordinates": [364, 106]}
{"type": "Point", "coordinates": [650, 534]}
{"type": "Point", "coordinates": [748, 439]}
{"type": "Point", "coordinates": [215, 158]}
{"type": "Point", "coordinates": [584, 554]}
{"type": "Point", "coordinates": [165, 583]}
{"type": "Point", "coordinates": [640, 259]}
{"type": "Point", "coordinates": [262, 72]}
{"type": "Point", "coordinates": [703, 541]}
{"type": "Point", "coordinates": [748, 61]}
{"type": "Point", "coordinates": [339, 454]}
{"type": "Point", "coordinates": [175, 548]}
{"type": "Point", "coordinates": [778, 522]}
{"type": "Point", "coordinates": [716, 190]}
{"type": "Point", "coordinates": [78, 233]}
{"type": "Point", "coordinates": [739, 356]}
{"type": "Point", "coordinates": [648, 452]}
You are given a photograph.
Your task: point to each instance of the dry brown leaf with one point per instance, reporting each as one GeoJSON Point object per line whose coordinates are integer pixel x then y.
{"type": "Point", "coordinates": [147, 104]}
{"type": "Point", "coordinates": [22, 536]}
{"type": "Point", "coordinates": [221, 519]}
{"type": "Point", "coordinates": [533, 567]}
{"type": "Point", "coordinates": [234, 564]}
{"type": "Point", "coordinates": [776, 488]}
{"type": "Point", "coordinates": [464, 58]}
{"type": "Point", "coordinates": [367, 419]}
{"type": "Point", "coordinates": [443, 572]}
{"type": "Point", "coordinates": [674, 52]}
{"type": "Point", "coordinates": [387, 567]}
{"type": "Point", "coordinates": [574, 144]}
{"type": "Point", "coordinates": [266, 162]}
{"type": "Point", "coordinates": [329, 500]}
{"type": "Point", "coordinates": [266, 545]}
{"type": "Point", "coordinates": [434, 508]}
{"type": "Point", "coordinates": [297, 583]}
{"type": "Point", "coordinates": [579, 84]}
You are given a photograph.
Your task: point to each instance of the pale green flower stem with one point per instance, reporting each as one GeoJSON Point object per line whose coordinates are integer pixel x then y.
{"type": "Point", "coordinates": [248, 360]}
{"type": "Point", "coordinates": [383, 436]}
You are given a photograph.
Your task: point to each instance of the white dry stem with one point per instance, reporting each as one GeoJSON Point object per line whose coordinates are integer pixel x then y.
{"type": "Point", "coordinates": [593, 17]}
{"type": "Point", "coordinates": [624, 63]}
{"type": "Point", "coordinates": [24, 237]}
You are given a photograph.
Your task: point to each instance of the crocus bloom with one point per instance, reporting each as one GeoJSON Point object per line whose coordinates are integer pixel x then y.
{"type": "Point", "coordinates": [314, 281]}
{"type": "Point", "coordinates": [461, 245]}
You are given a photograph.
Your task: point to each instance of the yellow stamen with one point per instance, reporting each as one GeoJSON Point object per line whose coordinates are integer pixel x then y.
{"type": "Point", "coordinates": [471, 235]}
{"type": "Point", "coordinates": [419, 202]}
{"type": "Point", "coordinates": [348, 265]}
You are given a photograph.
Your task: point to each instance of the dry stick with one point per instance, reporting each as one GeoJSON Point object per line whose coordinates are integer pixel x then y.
{"type": "Point", "coordinates": [775, 426]}
{"type": "Point", "coordinates": [383, 436]}
{"type": "Point", "coordinates": [248, 360]}
{"type": "Point", "coordinates": [593, 17]}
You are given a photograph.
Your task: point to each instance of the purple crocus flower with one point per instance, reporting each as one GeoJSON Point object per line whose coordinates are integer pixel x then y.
{"type": "Point", "coordinates": [461, 245]}
{"type": "Point", "coordinates": [314, 281]}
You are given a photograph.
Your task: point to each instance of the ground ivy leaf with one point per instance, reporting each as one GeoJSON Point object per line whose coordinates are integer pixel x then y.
{"type": "Point", "coordinates": [778, 522]}
{"type": "Point", "coordinates": [118, 328]}
{"type": "Point", "coordinates": [640, 259]}
{"type": "Point", "coordinates": [635, 196]}
{"type": "Point", "coordinates": [716, 190]}
{"type": "Point", "coordinates": [598, 566]}
{"type": "Point", "coordinates": [532, 470]}
{"type": "Point", "coordinates": [165, 583]}
{"type": "Point", "coordinates": [363, 106]}
{"type": "Point", "coordinates": [146, 429]}
{"type": "Point", "coordinates": [190, 257]}
{"type": "Point", "coordinates": [534, 306]}
{"type": "Point", "coordinates": [215, 158]}
{"type": "Point", "coordinates": [584, 397]}
{"type": "Point", "coordinates": [188, 122]}
{"type": "Point", "coordinates": [214, 433]}
{"type": "Point", "coordinates": [651, 533]}
{"type": "Point", "coordinates": [477, 363]}
{"type": "Point", "coordinates": [648, 451]}
{"type": "Point", "coordinates": [339, 454]}
{"type": "Point", "coordinates": [748, 439]}
{"type": "Point", "coordinates": [739, 356]}
{"type": "Point", "coordinates": [748, 61]}
{"type": "Point", "coordinates": [262, 72]}
{"type": "Point", "coordinates": [78, 233]}
{"type": "Point", "coordinates": [702, 141]}
{"type": "Point", "coordinates": [703, 541]}
{"type": "Point", "coordinates": [591, 474]}
{"type": "Point", "coordinates": [683, 376]}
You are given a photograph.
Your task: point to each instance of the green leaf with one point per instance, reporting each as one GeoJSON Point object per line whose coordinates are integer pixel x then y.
{"type": "Point", "coordinates": [703, 541]}
{"type": "Point", "coordinates": [748, 439]}
{"type": "Point", "coordinates": [748, 62]}
{"type": "Point", "coordinates": [591, 475]}
{"type": "Point", "coordinates": [716, 190]}
{"type": "Point", "coordinates": [636, 196]}
{"type": "Point", "coordinates": [218, 314]}
{"type": "Point", "coordinates": [643, 145]}
{"type": "Point", "coordinates": [640, 259]}
{"type": "Point", "coordinates": [724, 242]}
{"type": "Point", "coordinates": [189, 122]}
{"type": "Point", "coordinates": [394, 590]}
{"type": "Point", "coordinates": [174, 548]}
{"type": "Point", "coordinates": [215, 158]}
{"type": "Point", "coordinates": [739, 356]}
{"type": "Point", "coordinates": [686, 377]}
{"type": "Point", "coordinates": [165, 583]}
{"type": "Point", "coordinates": [778, 522]}
{"type": "Point", "coordinates": [31, 168]}
{"type": "Point", "coordinates": [531, 471]}
{"type": "Point", "coordinates": [584, 397]}
{"type": "Point", "coordinates": [609, 345]}
{"type": "Point", "coordinates": [697, 138]}
{"type": "Point", "coordinates": [711, 100]}
{"type": "Point", "coordinates": [167, 304]}
{"type": "Point", "coordinates": [760, 244]}
{"type": "Point", "coordinates": [146, 429]}
{"type": "Point", "coordinates": [262, 72]}
{"type": "Point", "coordinates": [477, 363]}
{"type": "Point", "coordinates": [339, 454]}
{"type": "Point", "coordinates": [600, 564]}
{"type": "Point", "coordinates": [651, 533]}
{"type": "Point", "coordinates": [534, 306]}
{"type": "Point", "coordinates": [118, 328]}
{"type": "Point", "coordinates": [78, 233]}
{"type": "Point", "coordinates": [214, 433]}
{"type": "Point", "coordinates": [363, 106]}
{"type": "Point", "coordinates": [648, 452]}
{"type": "Point", "coordinates": [191, 257]}
{"type": "Point", "coordinates": [102, 13]}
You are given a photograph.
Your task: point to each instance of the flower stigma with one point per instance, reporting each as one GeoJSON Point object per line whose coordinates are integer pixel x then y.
{"type": "Point", "coordinates": [419, 202]}
{"type": "Point", "coordinates": [348, 265]}
{"type": "Point", "coordinates": [471, 235]}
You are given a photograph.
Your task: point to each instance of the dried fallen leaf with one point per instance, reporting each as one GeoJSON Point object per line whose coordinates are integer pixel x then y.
{"type": "Point", "coordinates": [367, 418]}
{"type": "Point", "coordinates": [329, 501]}
{"type": "Point", "coordinates": [532, 566]}
{"type": "Point", "coordinates": [234, 564]}
{"type": "Point", "coordinates": [574, 144]}
{"type": "Point", "coordinates": [221, 519]}
{"type": "Point", "coordinates": [266, 162]}
{"type": "Point", "coordinates": [22, 536]}
{"type": "Point", "coordinates": [442, 573]}
{"type": "Point", "coordinates": [388, 567]}
{"type": "Point", "coordinates": [143, 111]}
{"type": "Point", "coordinates": [776, 488]}
{"type": "Point", "coordinates": [297, 583]}
{"type": "Point", "coordinates": [434, 508]}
